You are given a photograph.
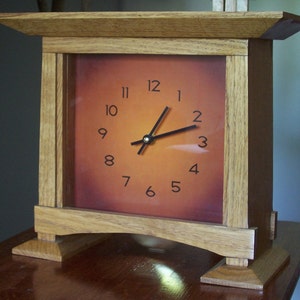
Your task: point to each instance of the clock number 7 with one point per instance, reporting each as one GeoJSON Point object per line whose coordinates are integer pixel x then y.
{"type": "Point", "coordinates": [127, 178]}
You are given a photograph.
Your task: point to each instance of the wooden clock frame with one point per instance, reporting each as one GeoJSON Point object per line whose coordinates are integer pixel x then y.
{"type": "Point", "coordinates": [249, 223]}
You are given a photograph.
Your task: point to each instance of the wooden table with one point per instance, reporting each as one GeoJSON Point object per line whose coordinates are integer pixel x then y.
{"type": "Point", "coordinates": [119, 268]}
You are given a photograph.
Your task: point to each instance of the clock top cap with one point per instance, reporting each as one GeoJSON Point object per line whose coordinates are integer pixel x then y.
{"type": "Point", "coordinates": [238, 25]}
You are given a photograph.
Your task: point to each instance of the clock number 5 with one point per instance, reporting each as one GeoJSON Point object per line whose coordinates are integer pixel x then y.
{"type": "Point", "coordinates": [175, 186]}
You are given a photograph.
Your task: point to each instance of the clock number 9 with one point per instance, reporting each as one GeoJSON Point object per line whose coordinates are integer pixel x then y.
{"type": "Point", "coordinates": [102, 132]}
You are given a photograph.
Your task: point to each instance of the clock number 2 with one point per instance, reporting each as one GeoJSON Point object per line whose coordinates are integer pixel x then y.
{"type": "Point", "coordinates": [198, 114]}
{"type": "Point", "coordinates": [153, 85]}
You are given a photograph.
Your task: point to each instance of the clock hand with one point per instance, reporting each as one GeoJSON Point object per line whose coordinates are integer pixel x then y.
{"type": "Point", "coordinates": [149, 139]}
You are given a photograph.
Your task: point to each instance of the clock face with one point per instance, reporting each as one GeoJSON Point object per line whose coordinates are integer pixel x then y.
{"type": "Point", "coordinates": [147, 135]}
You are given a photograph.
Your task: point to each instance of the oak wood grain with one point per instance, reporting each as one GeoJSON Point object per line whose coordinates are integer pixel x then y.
{"type": "Point", "coordinates": [119, 268]}
{"type": "Point", "coordinates": [156, 24]}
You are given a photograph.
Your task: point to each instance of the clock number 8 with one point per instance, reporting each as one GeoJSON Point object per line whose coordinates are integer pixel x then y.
{"type": "Point", "coordinates": [109, 160]}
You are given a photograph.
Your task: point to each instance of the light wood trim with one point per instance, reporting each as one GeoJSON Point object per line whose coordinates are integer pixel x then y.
{"type": "Point", "coordinates": [235, 203]}
{"type": "Point", "coordinates": [256, 276]}
{"type": "Point", "coordinates": [59, 129]}
{"type": "Point", "coordinates": [154, 24]}
{"type": "Point", "coordinates": [230, 241]}
{"type": "Point", "coordinates": [145, 46]}
{"type": "Point", "coordinates": [47, 154]}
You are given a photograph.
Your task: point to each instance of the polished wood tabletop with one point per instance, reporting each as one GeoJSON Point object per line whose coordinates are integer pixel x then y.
{"type": "Point", "coordinates": [121, 268]}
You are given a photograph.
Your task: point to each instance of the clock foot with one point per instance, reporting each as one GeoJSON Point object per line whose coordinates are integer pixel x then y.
{"type": "Point", "coordinates": [59, 250]}
{"type": "Point", "coordinates": [256, 276]}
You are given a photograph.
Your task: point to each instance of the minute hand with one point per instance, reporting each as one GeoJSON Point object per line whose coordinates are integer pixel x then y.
{"type": "Point", "coordinates": [154, 137]}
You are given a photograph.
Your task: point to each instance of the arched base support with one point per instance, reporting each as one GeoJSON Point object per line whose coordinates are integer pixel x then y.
{"type": "Point", "coordinates": [255, 276]}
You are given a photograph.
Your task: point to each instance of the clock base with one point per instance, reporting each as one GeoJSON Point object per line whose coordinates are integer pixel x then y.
{"type": "Point", "coordinates": [256, 276]}
{"type": "Point", "coordinates": [61, 249]}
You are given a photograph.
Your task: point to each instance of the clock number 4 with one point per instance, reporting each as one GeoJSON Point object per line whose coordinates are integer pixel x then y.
{"type": "Point", "coordinates": [194, 169]}
{"type": "Point", "coordinates": [153, 85]}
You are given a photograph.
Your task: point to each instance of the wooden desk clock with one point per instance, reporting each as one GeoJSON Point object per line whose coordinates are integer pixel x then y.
{"type": "Point", "coordinates": [159, 123]}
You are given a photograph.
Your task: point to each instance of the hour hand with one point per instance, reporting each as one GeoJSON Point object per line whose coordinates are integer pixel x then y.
{"type": "Point", "coordinates": [147, 139]}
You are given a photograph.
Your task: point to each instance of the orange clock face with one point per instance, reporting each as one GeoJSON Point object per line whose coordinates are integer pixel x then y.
{"type": "Point", "coordinates": [149, 135]}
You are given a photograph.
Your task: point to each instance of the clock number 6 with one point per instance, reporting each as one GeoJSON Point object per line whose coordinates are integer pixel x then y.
{"type": "Point", "coordinates": [150, 193]}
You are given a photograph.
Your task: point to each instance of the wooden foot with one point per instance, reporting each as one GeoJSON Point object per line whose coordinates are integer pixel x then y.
{"type": "Point", "coordinates": [256, 276]}
{"type": "Point", "coordinates": [59, 250]}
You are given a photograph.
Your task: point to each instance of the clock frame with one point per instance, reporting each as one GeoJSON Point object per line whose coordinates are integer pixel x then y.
{"type": "Point", "coordinates": [249, 222]}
